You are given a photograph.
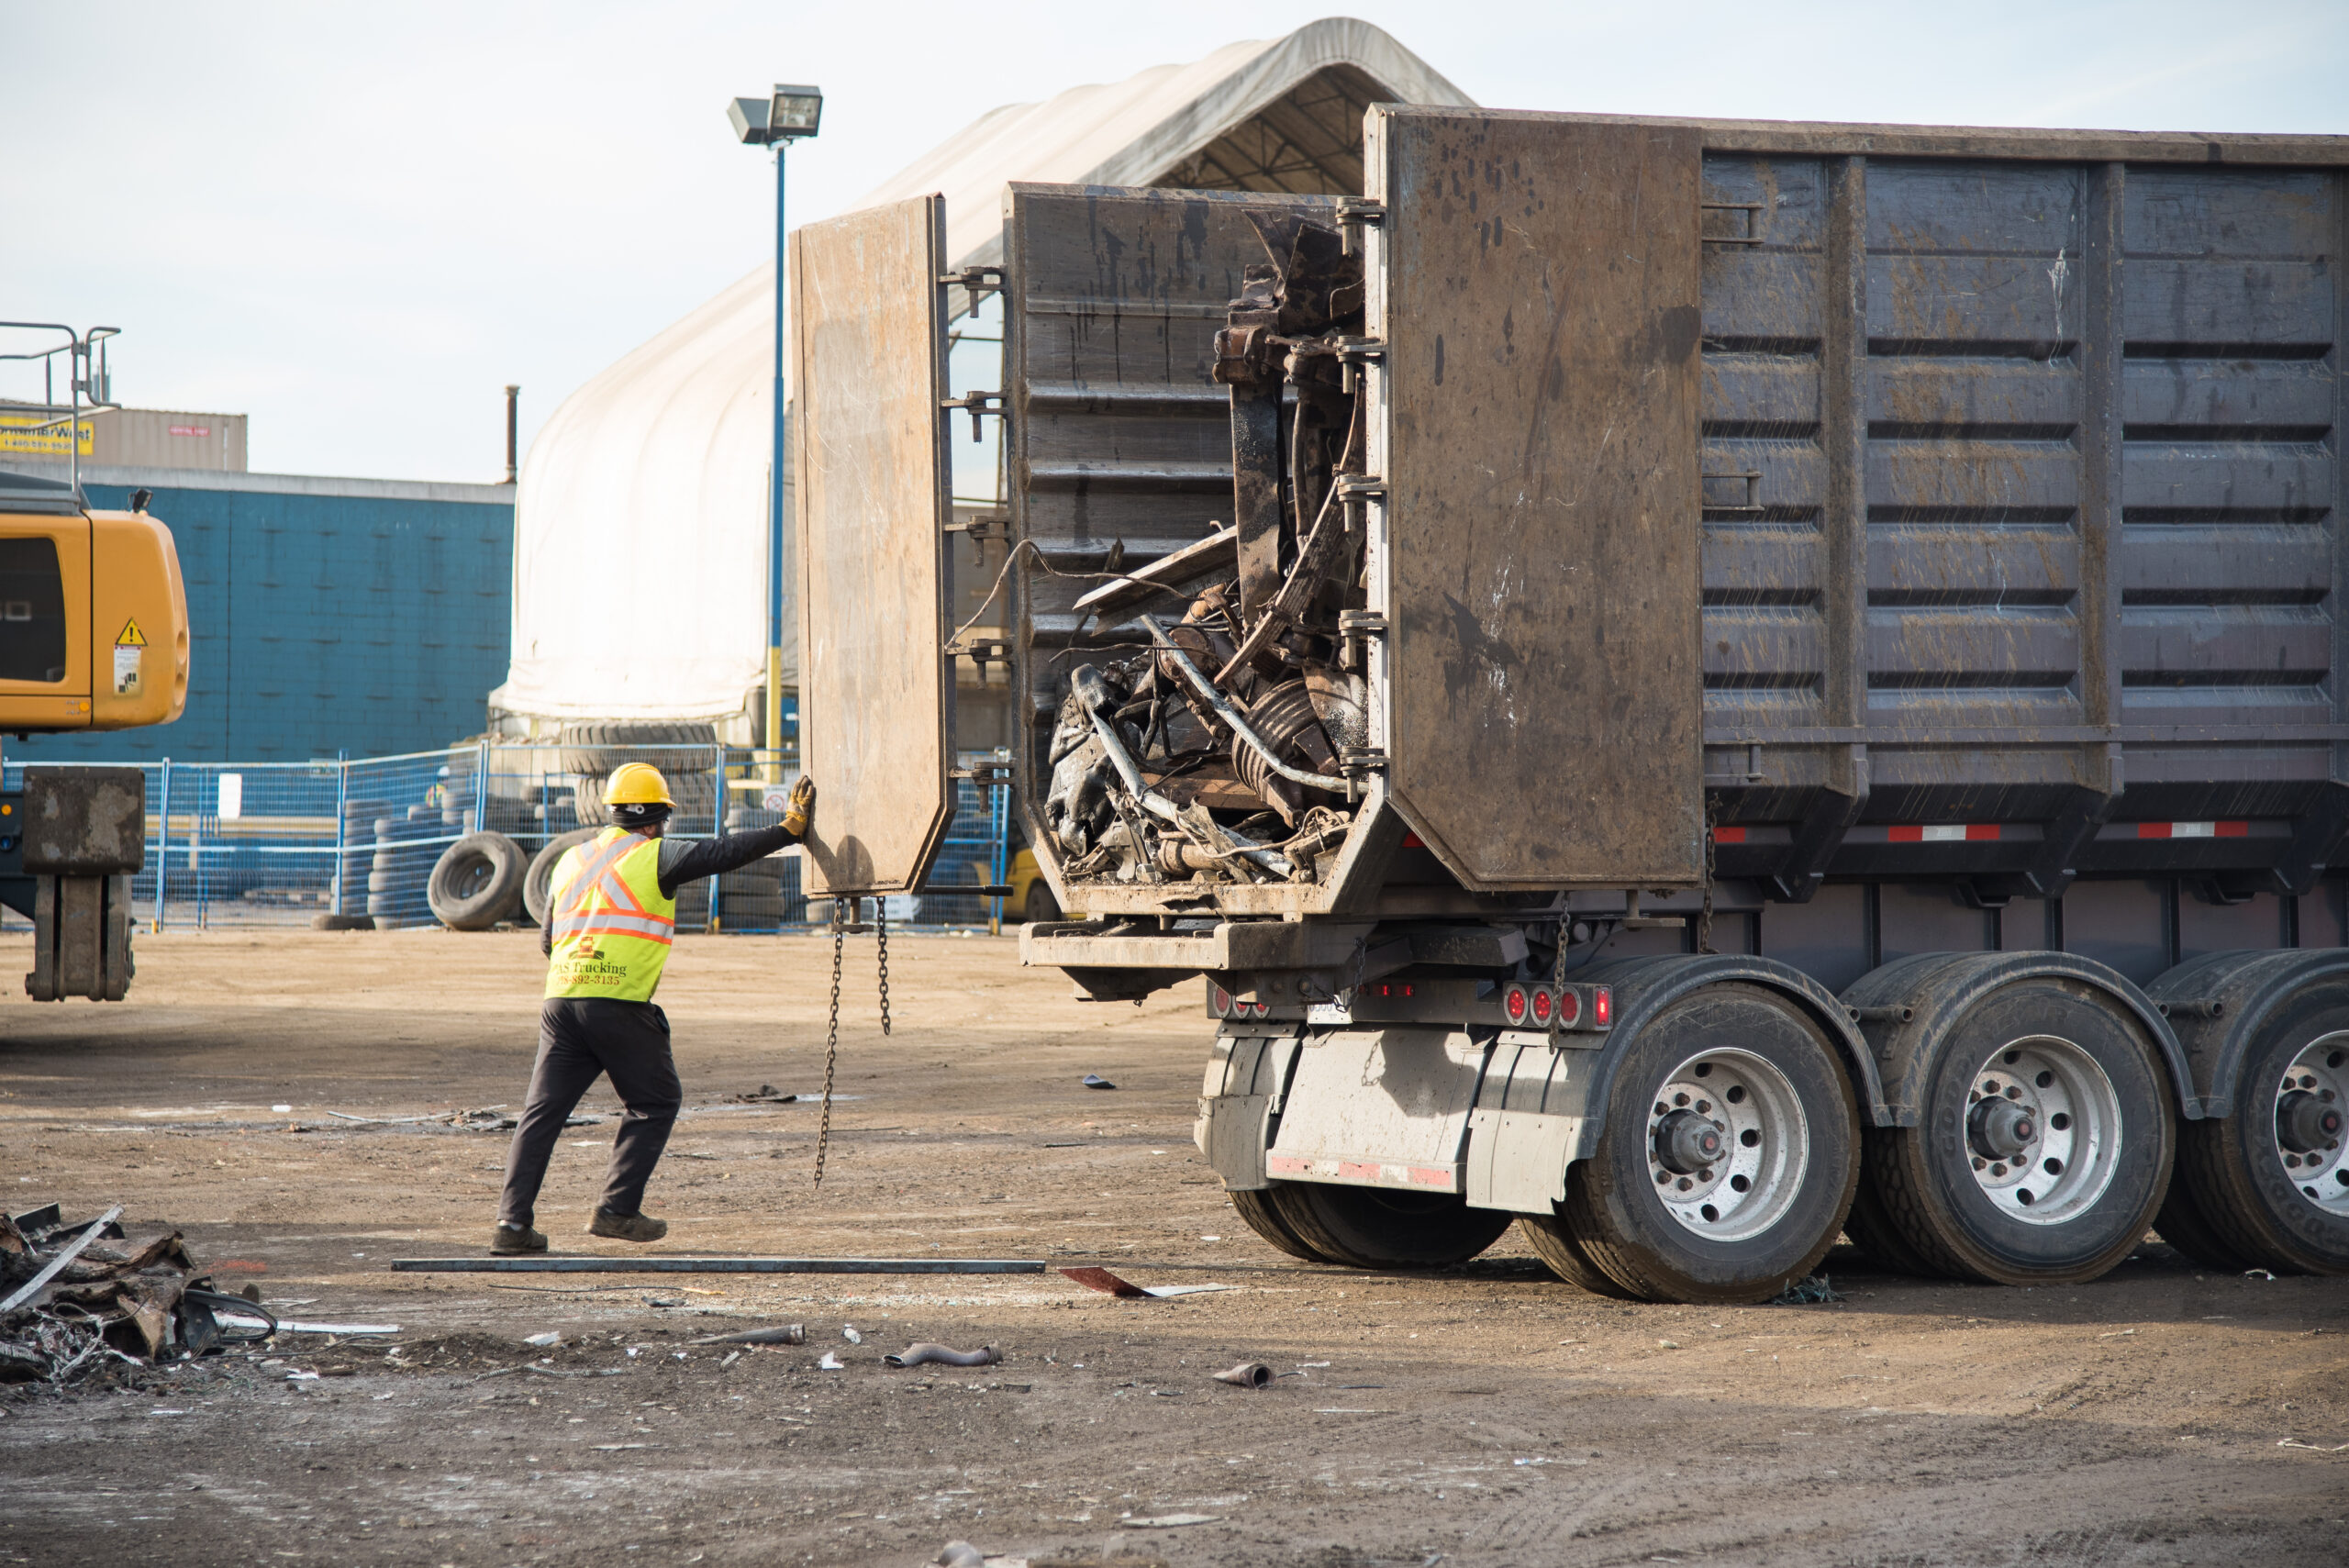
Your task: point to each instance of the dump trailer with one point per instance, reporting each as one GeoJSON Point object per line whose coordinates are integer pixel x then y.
{"type": "Point", "coordinates": [93, 635]}
{"type": "Point", "coordinates": [1698, 686]}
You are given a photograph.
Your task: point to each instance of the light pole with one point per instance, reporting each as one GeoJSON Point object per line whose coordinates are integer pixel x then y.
{"type": "Point", "coordinates": [777, 121]}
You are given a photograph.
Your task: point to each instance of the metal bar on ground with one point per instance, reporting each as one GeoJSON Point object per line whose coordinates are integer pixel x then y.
{"type": "Point", "coordinates": [31, 1287]}
{"type": "Point", "coordinates": [658, 1265]}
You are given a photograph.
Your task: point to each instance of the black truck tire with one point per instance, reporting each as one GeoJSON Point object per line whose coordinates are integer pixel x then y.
{"type": "Point", "coordinates": [1553, 1240]}
{"type": "Point", "coordinates": [538, 884]}
{"type": "Point", "coordinates": [2094, 1128]}
{"type": "Point", "coordinates": [2292, 1104]}
{"type": "Point", "coordinates": [477, 881]}
{"type": "Point", "coordinates": [1383, 1228]}
{"type": "Point", "coordinates": [684, 752]}
{"type": "Point", "coordinates": [1730, 1156]}
{"type": "Point", "coordinates": [1260, 1214]}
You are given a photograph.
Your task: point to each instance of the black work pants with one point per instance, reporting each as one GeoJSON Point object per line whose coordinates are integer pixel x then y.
{"type": "Point", "coordinates": [580, 1037]}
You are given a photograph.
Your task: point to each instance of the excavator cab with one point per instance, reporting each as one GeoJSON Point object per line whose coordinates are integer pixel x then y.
{"type": "Point", "coordinates": [93, 635]}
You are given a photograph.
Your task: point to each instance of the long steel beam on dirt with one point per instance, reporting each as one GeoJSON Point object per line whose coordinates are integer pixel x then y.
{"type": "Point", "coordinates": [660, 1265]}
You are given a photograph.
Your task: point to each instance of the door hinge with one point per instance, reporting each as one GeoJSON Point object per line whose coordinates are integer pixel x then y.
{"type": "Point", "coordinates": [977, 404]}
{"type": "Point", "coordinates": [974, 282]}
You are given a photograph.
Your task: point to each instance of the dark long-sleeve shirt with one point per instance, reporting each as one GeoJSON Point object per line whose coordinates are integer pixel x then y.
{"type": "Point", "coordinates": [690, 860]}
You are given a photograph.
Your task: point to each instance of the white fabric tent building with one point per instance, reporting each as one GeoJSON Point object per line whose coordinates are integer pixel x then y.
{"type": "Point", "coordinates": [670, 445]}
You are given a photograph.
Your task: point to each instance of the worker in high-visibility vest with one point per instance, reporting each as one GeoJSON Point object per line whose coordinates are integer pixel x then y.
{"type": "Point", "coordinates": [611, 911]}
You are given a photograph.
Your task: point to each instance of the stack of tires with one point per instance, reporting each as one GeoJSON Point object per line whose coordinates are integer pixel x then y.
{"type": "Point", "coordinates": [402, 864]}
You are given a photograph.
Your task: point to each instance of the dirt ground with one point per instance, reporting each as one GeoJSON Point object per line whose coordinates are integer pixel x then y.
{"type": "Point", "coordinates": [1486, 1415]}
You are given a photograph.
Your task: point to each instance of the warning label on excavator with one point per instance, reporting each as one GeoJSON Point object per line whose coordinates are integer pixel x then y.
{"type": "Point", "coordinates": [130, 636]}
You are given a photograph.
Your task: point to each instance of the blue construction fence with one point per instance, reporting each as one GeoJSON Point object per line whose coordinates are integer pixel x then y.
{"type": "Point", "coordinates": [280, 843]}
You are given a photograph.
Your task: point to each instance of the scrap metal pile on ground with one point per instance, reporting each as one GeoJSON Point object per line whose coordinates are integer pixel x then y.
{"type": "Point", "coordinates": [71, 1306]}
{"type": "Point", "coordinates": [1223, 752]}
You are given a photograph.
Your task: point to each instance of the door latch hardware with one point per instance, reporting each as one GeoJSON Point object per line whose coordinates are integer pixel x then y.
{"type": "Point", "coordinates": [1753, 232]}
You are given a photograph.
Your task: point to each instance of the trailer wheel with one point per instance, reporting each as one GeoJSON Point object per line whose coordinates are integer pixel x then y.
{"type": "Point", "coordinates": [2043, 1148]}
{"type": "Point", "coordinates": [1380, 1227]}
{"type": "Point", "coordinates": [1260, 1214]}
{"type": "Point", "coordinates": [1553, 1240]}
{"type": "Point", "coordinates": [2271, 1181]}
{"type": "Point", "coordinates": [1730, 1154]}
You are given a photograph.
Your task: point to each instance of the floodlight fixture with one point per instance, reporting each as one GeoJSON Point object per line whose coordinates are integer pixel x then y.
{"type": "Point", "coordinates": [787, 115]}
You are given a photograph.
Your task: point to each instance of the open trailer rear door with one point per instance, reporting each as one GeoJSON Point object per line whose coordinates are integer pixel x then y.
{"type": "Point", "coordinates": [875, 689]}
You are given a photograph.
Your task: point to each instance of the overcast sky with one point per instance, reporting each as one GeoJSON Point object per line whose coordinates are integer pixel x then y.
{"type": "Point", "coordinates": [356, 223]}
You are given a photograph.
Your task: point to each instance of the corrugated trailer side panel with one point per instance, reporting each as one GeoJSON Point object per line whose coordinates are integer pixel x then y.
{"type": "Point", "coordinates": [2020, 504]}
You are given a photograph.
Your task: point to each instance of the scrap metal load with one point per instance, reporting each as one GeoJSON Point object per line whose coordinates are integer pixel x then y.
{"type": "Point", "coordinates": [1229, 749]}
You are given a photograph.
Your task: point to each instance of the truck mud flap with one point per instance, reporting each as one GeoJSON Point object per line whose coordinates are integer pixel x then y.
{"type": "Point", "coordinates": [1247, 1080]}
{"type": "Point", "coordinates": [1380, 1108]}
{"type": "Point", "coordinates": [1528, 1125]}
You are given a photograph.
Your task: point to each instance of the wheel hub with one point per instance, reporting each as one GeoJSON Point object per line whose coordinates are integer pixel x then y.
{"type": "Point", "coordinates": [2000, 1129]}
{"type": "Point", "coordinates": [1728, 1144]}
{"type": "Point", "coordinates": [2312, 1118]}
{"type": "Point", "coordinates": [2043, 1130]}
{"type": "Point", "coordinates": [1687, 1143]}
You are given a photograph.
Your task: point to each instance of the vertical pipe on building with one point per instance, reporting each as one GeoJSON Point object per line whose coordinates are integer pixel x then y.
{"type": "Point", "coordinates": [513, 436]}
{"type": "Point", "coordinates": [775, 499]}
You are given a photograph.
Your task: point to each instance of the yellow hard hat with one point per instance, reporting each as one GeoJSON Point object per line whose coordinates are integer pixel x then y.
{"type": "Point", "coordinates": [637, 784]}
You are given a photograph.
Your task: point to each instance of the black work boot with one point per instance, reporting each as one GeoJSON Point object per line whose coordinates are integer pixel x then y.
{"type": "Point", "coordinates": [626, 1226]}
{"type": "Point", "coordinates": [511, 1238]}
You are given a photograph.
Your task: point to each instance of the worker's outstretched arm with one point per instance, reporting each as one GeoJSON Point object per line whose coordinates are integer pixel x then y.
{"type": "Point", "coordinates": [684, 861]}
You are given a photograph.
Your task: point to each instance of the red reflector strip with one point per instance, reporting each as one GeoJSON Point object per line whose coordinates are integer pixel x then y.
{"type": "Point", "coordinates": [1728, 835]}
{"type": "Point", "coordinates": [1941, 833]}
{"type": "Point", "coordinates": [1412, 841]}
{"type": "Point", "coordinates": [1362, 1173]}
{"type": "Point", "coordinates": [2193, 829]}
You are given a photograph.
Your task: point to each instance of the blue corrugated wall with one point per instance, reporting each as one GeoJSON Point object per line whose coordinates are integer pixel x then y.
{"type": "Point", "coordinates": [320, 624]}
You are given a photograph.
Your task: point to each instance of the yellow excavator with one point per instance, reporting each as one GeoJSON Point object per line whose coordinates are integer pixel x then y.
{"type": "Point", "coordinates": [93, 635]}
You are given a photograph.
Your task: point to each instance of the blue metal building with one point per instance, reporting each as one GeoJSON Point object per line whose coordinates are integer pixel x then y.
{"type": "Point", "coordinates": [366, 615]}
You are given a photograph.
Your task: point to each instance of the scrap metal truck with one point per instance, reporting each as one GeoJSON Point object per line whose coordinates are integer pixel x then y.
{"type": "Point", "coordinates": [1698, 685]}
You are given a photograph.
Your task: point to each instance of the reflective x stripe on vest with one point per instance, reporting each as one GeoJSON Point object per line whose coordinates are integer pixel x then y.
{"type": "Point", "coordinates": [612, 927]}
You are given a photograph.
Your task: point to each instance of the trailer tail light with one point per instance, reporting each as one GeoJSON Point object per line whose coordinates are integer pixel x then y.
{"type": "Point", "coordinates": [1545, 1005]}
{"type": "Point", "coordinates": [1257, 1009]}
{"type": "Point", "coordinates": [1218, 1001]}
{"type": "Point", "coordinates": [1569, 1007]}
{"type": "Point", "coordinates": [1516, 1004]}
{"type": "Point", "coordinates": [1602, 1005]}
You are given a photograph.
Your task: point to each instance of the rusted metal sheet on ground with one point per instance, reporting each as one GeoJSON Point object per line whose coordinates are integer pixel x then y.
{"type": "Point", "coordinates": [875, 700]}
{"type": "Point", "coordinates": [1536, 287]}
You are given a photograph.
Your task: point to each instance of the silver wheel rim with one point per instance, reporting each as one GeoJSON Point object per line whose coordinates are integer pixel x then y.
{"type": "Point", "coordinates": [1764, 1144]}
{"type": "Point", "coordinates": [2309, 1103]}
{"type": "Point", "coordinates": [2043, 1126]}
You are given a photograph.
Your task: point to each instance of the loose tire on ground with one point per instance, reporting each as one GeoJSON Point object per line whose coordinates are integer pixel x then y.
{"type": "Point", "coordinates": [1260, 1214]}
{"type": "Point", "coordinates": [2044, 1138]}
{"type": "Point", "coordinates": [538, 884]}
{"type": "Point", "coordinates": [477, 881]}
{"type": "Point", "coordinates": [1380, 1227]}
{"type": "Point", "coordinates": [2235, 1202]}
{"type": "Point", "coordinates": [1730, 1154]}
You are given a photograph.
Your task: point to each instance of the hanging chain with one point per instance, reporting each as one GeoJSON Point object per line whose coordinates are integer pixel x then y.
{"type": "Point", "coordinates": [831, 1056]}
{"type": "Point", "coordinates": [1705, 915]}
{"type": "Point", "coordinates": [883, 920]}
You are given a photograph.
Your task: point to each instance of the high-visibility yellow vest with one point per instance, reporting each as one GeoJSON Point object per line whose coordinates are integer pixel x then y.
{"type": "Point", "coordinates": [612, 927]}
